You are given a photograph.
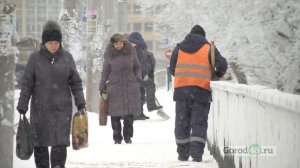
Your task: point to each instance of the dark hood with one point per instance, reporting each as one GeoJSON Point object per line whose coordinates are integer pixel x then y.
{"type": "Point", "coordinates": [192, 43]}
{"type": "Point", "coordinates": [137, 38]}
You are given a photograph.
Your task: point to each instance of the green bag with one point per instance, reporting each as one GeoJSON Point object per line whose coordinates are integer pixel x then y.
{"type": "Point", "coordinates": [24, 139]}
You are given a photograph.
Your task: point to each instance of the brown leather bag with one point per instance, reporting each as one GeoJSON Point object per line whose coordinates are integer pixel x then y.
{"type": "Point", "coordinates": [103, 111]}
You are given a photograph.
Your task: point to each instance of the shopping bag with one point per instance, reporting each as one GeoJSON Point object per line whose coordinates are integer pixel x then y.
{"type": "Point", "coordinates": [103, 112]}
{"type": "Point", "coordinates": [80, 130]}
{"type": "Point", "coordinates": [103, 109]}
{"type": "Point", "coordinates": [24, 139]}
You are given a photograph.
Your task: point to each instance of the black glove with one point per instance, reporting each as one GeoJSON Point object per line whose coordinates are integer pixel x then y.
{"type": "Point", "coordinates": [81, 107]}
{"type": "Point", "coordinates": [22, 112]}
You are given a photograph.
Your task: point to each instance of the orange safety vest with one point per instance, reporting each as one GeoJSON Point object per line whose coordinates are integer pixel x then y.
{"type": "Point", "coordinates": [193, 69]}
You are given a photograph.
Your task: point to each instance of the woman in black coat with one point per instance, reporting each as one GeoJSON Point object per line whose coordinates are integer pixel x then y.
{"type": "Point", "coordinates": [49, 79]}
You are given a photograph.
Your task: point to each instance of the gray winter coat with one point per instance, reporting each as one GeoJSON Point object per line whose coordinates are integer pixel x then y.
{"type": "Point", "coordinates": [121, 77]}
{"type": "Point", "coordinates": [49, 85]}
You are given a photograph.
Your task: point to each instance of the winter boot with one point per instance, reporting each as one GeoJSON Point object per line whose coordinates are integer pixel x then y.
{"type": "Point", "coordinates": [183, 158]}
{"type": "Point", "coordinates": [197, 159]}
{"type": "Point", "coordinates": [128, 141]}
{"type": "Point", "coordinates": [57, 166]}
{"type": "Point", "coordinates": [138, 117]}
{"type": "Point", "coordinates": [155, 107]}
{"type": "Point", "coordinates": [144, 116]}
{"type": "Point", "coordinates": [117, 142]}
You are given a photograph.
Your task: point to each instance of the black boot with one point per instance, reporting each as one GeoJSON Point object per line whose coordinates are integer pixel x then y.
{"type": "Point", "coordinates": [138, 117]}
{"type": "Point", "coordinates": [197, 159]}
{"type": "Point", "coordinates": [128, 140]}
{"type": "Point", "coordinates": [141, 116]}
{"type": "Point", "coordinates": [155, 107]}
{"type": "Point", "coordinates": [117, 142]}
{"type": "Point", "coordinates": [183, 158]}
{"type": "Point", "coordinates": [144, 116]}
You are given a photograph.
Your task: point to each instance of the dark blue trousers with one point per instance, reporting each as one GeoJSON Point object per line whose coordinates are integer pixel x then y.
{"type": "Point", "coordinates": [191, 127]}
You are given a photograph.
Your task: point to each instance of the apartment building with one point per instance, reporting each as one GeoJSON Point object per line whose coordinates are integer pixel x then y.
{"type": "Point", "coordinates": [137, 21]}
{"type": "Point", "coordinates": [32, 14]}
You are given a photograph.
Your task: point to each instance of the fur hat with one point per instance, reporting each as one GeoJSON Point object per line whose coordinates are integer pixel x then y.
{"type": "Point", "coordinates": [51, 32]}
{"type": "Point", "coordinates": [198, 30]}
{"type": "Point", "coordinates": [116, 38]}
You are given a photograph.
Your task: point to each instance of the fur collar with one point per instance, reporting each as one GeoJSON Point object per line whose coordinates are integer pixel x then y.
{"type": "Point", "coordinates": [112, 51]}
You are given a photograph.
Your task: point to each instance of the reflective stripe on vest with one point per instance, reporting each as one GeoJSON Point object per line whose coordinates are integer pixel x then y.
{"type": "Point", "coordinates": [193, 69]}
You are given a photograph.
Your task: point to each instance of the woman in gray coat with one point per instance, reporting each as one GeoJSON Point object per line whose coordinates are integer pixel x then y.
{"type": "Point", "coordinates": [120, 78]}
{"type": "Point", "coordinates": [49, 79]}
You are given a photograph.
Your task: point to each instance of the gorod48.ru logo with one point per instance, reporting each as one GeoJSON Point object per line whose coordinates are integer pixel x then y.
{"type": "Point", "coordinates": [254, 149]}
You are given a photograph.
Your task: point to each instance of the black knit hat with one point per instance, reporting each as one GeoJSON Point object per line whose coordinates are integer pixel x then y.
{"type": "Point", "coordinates": [116, 38]}
{"type": "Point", "coordinates": [198, 30]}
{"type": "Point", "coordinates": [51, 32]}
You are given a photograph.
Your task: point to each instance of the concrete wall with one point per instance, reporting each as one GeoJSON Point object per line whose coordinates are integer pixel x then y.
{"type": "Point", "coordinates": [245, 115]}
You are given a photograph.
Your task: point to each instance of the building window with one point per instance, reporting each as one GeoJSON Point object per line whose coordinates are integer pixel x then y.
{"type": "Point", "coordinates": [148, 27]}
{"type": "Point", "coordinates": [159, 45]}
{"type": "Point", "coordinates": [149, 44]}
{"type": "Point", "coordinates": [137, 27]}
{"type": "Point", "coordinates": [129, 27]}
{"type": "Point", "coordinates": [28, 28]}
{"type": "Point", "coordinates": [137, 9]}
{"type": "Point", "coordinates": [129, 8]}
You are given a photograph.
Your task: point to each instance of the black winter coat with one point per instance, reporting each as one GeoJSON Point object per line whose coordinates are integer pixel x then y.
{"type": "Point", "coordinates": [150, 64]}
{"type": "Point", "coordinates": [191, 44]}
{"type": "Point", "coordinates": [49, 85]}
{"type": "Point", "coordinates": [141, 50]}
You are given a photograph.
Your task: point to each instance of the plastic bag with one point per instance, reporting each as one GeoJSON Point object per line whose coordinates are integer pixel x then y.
{"type": "Point", "coordinates": [24, 139]}
{"type": "Point", "coordinates": [80, 130]}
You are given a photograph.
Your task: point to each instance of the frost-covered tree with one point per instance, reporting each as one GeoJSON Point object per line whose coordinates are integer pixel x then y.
{"type": "Point", "coordinates": [7, 65]}
{"type": "Point", "coordinates": [69, 21]}
{"type": "Point", "coordinates": [259, 39]}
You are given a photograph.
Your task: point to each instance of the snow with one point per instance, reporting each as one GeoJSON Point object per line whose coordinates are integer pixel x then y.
{"type": "Point", "coordinates": [153, 144]}
{"type": "Point", "coordinates": [261, 37]}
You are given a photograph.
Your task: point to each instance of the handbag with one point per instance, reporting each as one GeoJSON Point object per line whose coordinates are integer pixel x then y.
{"type": "Point", "coordinates": [103, 109]}
{"type": "Point", "coordinates": [80, 130]}
{"type": "Point", "coordinates": [24, 139]}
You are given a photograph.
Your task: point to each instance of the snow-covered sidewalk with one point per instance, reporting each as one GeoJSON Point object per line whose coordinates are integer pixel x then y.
{"type": "Point", "coordinates": [153, 145]}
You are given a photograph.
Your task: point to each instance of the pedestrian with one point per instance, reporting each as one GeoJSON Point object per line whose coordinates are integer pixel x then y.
{"type": "Point", "coordinates": [150, 62]}
{"type": "Point", "coordinates": [120, 79]}
{"type": "Point", "coordinates": [49, 79]}
{"type": "Point", "coordinates": [191, 67]}
{"type": "Point", "coordinates": [148, 85]}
